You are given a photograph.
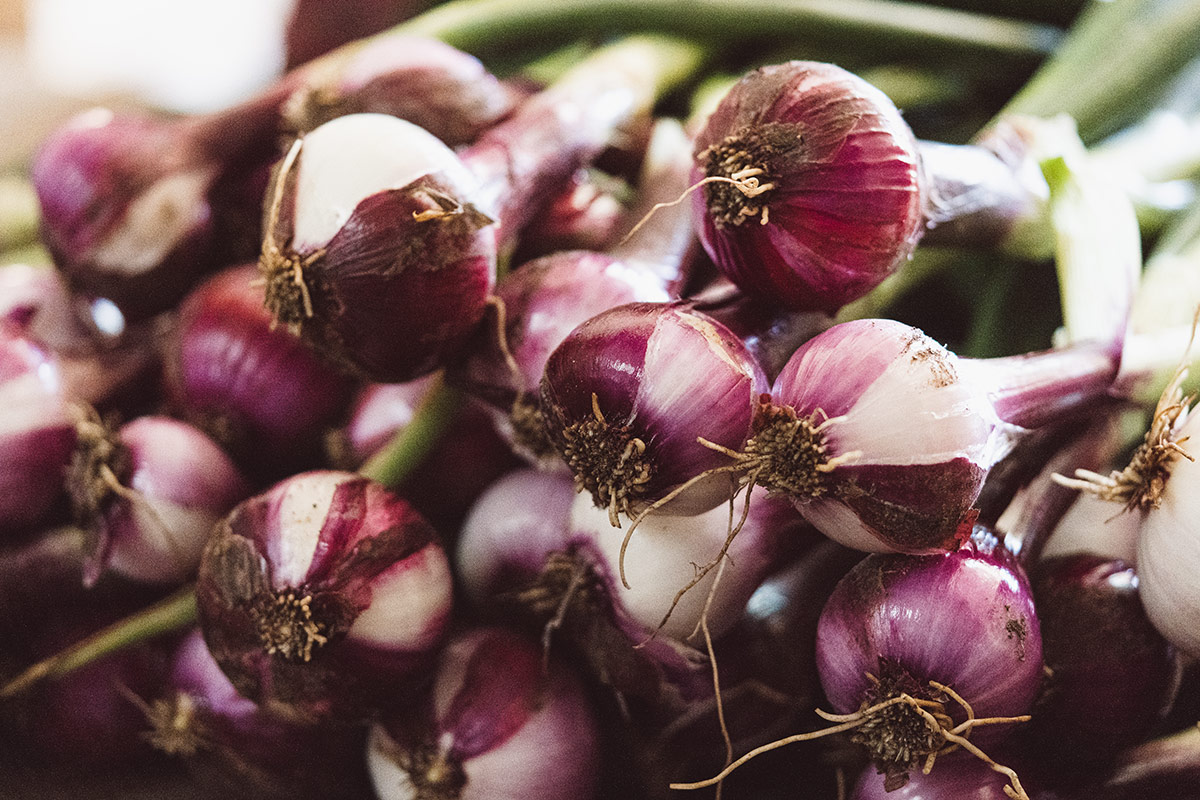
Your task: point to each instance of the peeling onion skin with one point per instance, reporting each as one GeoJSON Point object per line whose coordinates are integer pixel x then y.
{"type": "Point", "coordinates": [662, 375]}
{"type": "Point", "coordinates": [965, 619]}
{"type": "Point", "coordinates": [321, 595]}
{"type": "Point", "coordinates": [37, 433]}
{"type": "Point", "coordinates": [845, 210]}
{"type": "Point", "coordinates": [506, 729]}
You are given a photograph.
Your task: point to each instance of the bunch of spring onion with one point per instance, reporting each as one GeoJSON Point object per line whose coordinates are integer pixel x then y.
{"type": "Point", "coordinates": [421, 431]}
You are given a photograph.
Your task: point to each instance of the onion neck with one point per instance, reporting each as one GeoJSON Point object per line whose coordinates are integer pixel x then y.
{"type": "Point", "coordinates": [524, 158]}
{"type": "Point", "coordinates": [1035, 389]}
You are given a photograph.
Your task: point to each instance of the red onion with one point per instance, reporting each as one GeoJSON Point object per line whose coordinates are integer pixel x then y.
{"type": "Point", "coordinates": [378, 412]}
{"type": "Point", "coordinates": [895, 623]}
{"type": "Point", "coordinates": [883, 438]}
{"type": "Point", "coordinates": [958, 777]}
{"type": "Point", "coordinates": [231, 743]}
{"type": "Point", "coordinates": [499, 726]}
{"type": "Point", "coordinates": [814, 192]}
{"type": "Point", "coordinates": [544, 300]}
{"type": "Point", "coordinates": [37, 432]}
{"type": "Point", "coordinates": [429, 83]}
{"type": "Point", "coordinates": [626, 395]}
{"type": "Point", "coordinates": [374, 225]}
{"type": "Point", "coordinates": [586, 214]}
{"type": "Point", "coordinates": [528, 542]}
{"type": "Point", "coordinates": [322, 595]}
{"type": "Point", "coordinates": [150, 492]}
{"type": "Point", "coordinates": [129, 207]}
{"type": "Point", "coordinates": [258, 390]}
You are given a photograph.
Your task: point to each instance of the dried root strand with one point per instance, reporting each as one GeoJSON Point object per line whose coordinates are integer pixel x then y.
{"type": "Point", "coordinates": [933, 712]}
{"type": "Point", "coordinates": [1141, 484]}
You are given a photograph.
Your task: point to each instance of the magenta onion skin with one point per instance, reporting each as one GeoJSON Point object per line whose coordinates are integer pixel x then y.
{"type": "Point", "coordinates": [322, 594]}
{"type": "Point", "coordinates": [499, 727]}
{"type": "Point", "coordinates": [258, 390]}
{"type": "Point", "coordinates": [378, 412]}
{"type": "Point", "coordinates": [844, 210]}
{"type": "Point", "coordinates": [585, 214]}
{"type": "Point", "coordinates": [427, 82]}
{"type": "Point", "coordinates": [661, 374]}
{"type": "Point", "coordinates": [380, 213]}
{"type": "Point", "coordinates": [37, 433]}
{"type": "Point", "coordinates": [317, 26]}
{"type": "Point", "coordinates": [184, 483]}
{"type": "Point", "coordinates": [230, 742]}
{"type": "Point", "coordinates": [965, 619]}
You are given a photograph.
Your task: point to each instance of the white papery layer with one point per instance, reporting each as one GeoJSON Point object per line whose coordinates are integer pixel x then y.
{"type": "Point", "coordinates": [351, 158]}
{"type": "Point", "coordinates": [303, 507]}
{"type": "Point", "coordinates": [1168, 554]}
{"type": "Point", "coordinates": [409, 603]}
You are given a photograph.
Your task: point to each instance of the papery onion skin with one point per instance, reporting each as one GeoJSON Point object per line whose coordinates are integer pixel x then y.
{"type": "Point", "coordinates": [965, 619]}
{"type": "Point", "coordinates": [319, 595]}
{"type": "Point", "coordinates": [845, 203]}
{"type": "Point", "coordinates": [499, 727]}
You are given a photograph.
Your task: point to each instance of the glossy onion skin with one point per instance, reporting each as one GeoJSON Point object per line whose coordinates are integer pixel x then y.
{"type": "Point", "coordinates": [923, 435]}
{"type": "Point", "coordinates": [668, 373]}
{"type": "Point", "coordinates": [266, 395]}
{"type": "Point", "coordinates": [965, 619]}
{"type": "Point", "coordinates": [846, 208]}
{"type": "Point", "coordinates": [377, 575]}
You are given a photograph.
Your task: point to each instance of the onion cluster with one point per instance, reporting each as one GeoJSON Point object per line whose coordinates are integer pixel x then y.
{"type": "Point", "coordinates": [412, 431]}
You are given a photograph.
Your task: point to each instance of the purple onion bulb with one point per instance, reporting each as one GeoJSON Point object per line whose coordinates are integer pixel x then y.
{"type": "Point", "coordinates": [323, 594]}
{"type": "Point", "coordinates": [814, 186]}
{"type": "Point", "coordinates": [896, 622]}
{"type": "Point", "coordinates": [499, 727]}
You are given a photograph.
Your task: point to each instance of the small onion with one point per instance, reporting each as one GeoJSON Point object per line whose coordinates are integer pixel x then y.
{"type": "Point", "coordinates": [256, 389]}
{"type": "Point", "coordinates": [814, 189]}
{"type": "Point", "coordinates": [628, 392]}
{"type": "Point", "coordinates": [174, 484]}
{"type": "Point", "coordinates": [321, 594]}
{"type": "Point", "coordinates": [499, 727]}
{"type": "Point", "coordinates": [883, 438]}
{"type": "Point", "coordinates": [897, 622]}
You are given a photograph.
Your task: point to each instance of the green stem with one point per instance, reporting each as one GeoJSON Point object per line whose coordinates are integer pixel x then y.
{"type": "Point", "coordinates": [392, 465]}
{"type": "Point", "coordinates": [18, 213]}
{"type": "Point", "coordinates": [887, 26]}
{"type": "Point", "coordinates": [1113, 65]}
{"type": "Point", "coordinates": [170, 614]}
